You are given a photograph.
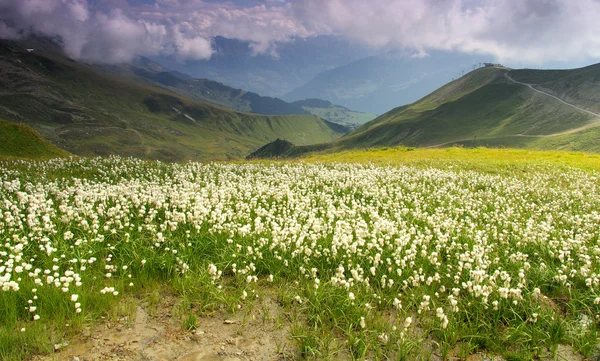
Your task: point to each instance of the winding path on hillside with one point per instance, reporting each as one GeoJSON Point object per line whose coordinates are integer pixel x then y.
{"type": "Point", "coordinates": [594, 124]}
{"type": "Point", "coordinates": [530, 86]}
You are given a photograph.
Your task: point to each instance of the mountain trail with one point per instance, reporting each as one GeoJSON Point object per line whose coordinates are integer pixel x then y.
{"type": "Point", "coordinates": [595, 123]}
{"type": "Point", "coordinates": [530, 86]}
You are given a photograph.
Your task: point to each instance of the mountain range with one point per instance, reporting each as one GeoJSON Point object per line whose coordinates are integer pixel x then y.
{"type": "Point", "coordinates": [329, 68]}
{"type": "Point", "coordinates": [289, 65]}
{"type": "Point", "coordinates": [147, 110]}
{"type": "Point", "coordinates": [91, 110]}
{"type": "Point", "coordinates": [212, 91]}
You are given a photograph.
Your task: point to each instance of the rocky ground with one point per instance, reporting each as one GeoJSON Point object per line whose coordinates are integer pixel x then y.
{"type": "Point", "coordinates": [155, 333]}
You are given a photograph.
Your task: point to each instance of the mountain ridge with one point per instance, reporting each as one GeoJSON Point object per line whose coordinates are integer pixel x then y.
{"type": "Point", "coordinates": [238, 99]}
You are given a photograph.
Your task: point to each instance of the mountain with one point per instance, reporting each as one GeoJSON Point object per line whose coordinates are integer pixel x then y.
{"type": "Point", "coordinates": [291, 64]}
{"type": "Point", "coordinates": [378, 83]}
{"type": "Point", "coordinates": [334, 113]}
{"type": "Point", "coordinates": [219, 93]}
{"type": "Point", "coordinates": [212, 91]}
{"type": "Point", "coordinates": [493, 107]}
{"type": "Point", "coordinates": [87, 110]}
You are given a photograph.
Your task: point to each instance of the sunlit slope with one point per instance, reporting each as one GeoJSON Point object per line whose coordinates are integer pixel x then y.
{"type": "Point", "coordinates": [20, 141]}
{"type": "Point", "coordinates": [488, 160]}
{"type": "Point", "coordinates": [91, 112]}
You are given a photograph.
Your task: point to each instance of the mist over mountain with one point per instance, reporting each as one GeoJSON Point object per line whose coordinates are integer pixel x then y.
{"type": "Point", "coordinates": [236, 63]}
{"type": "Point", "coordinates": [329, 68]}
{"type": "Point", "coordinates": [376, 84]}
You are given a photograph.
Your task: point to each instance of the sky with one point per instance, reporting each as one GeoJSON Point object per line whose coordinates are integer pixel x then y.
{"type": "Point", "coordinates": [531, 33]}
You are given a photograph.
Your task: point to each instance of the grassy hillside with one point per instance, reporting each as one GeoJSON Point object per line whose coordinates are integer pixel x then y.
{"type": "Point", "coordinates": [215, 92]}
{"type": "Point", "coordinates": [87, 111]}
{"type": "Point", "coordinates": [334, 113]}
{"type": "Point", "coordinates": [492, 107]}
{"type": "Point", "coordinates": [20, 141]}
{"type": "Point", "coordinates": [577, 86]}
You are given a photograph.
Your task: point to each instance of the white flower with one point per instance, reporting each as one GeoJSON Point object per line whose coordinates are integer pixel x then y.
{"type": "Point", "coordinates": [74, 298]}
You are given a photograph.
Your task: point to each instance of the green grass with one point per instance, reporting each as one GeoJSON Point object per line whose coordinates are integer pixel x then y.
{"type": "Point", "coordinates": [20, 141]}
{"type": "Point", "coordinates": [480, 159]}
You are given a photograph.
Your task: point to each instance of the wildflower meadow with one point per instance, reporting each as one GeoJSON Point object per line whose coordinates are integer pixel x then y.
{"type": "Point", "coordinates": [387, 259]}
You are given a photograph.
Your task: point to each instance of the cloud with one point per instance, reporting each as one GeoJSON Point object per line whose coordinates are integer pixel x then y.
{"type": "Point", "coordinates": [527, 31]}
{"type": "Point", "coordinates": [110, 35]}
{"type": "Point", "coordinates": [263, 25]}
{"type": "Point", "coordinates": [534, 31]}
{"type": "Point", "coordinates": [8, 32]}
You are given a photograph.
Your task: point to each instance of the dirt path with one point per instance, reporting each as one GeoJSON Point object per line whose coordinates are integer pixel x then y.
{"type": "Point", "coordinates": [530, 86]}
{"type": "Point", "coordinates": [595, 123]}
{"type": "Point", "coordinates": [155, 334]}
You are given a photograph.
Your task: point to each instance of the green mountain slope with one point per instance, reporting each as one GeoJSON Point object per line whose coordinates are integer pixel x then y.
{"type": "Point", "coordinates": [576, 86]}
{"type": "Point", "coordinates": [494, 107]}
{"type": "Point", "coordinates": [20, 141]}
{"type": "Point", "coordinates": [218, 93]}
{"type": "Point", "coordinates": [334, 113]}
{"type": "Point", "coordinates": [88, 111]}
{"type": "Point", "coordinates": [214, 92]}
